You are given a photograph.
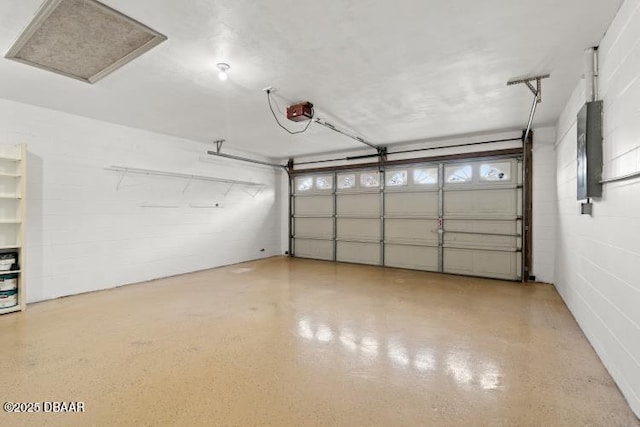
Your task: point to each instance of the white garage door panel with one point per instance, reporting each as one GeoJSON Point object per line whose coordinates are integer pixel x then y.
{"type": "Point", "coordinates": [361, 253]}
{"type": "Point", "coordinates": [314, 206]}
{"type": "Point", "coordinates": [412, 257]}
{"type": "Point", "coordinates": [480, 241]}
{"type": "Point", "coordinates": [500, 202]}
{"type": "Point", "coordinates": [499, 265]}
{"type": "Point", "coordinates": [411, 231]}
{"type": "Point", "coordinates": [411, 204]}
{"type": "Point", "coordinates": [481, 226]}
{"type": "Point", "coordinates": [316, 249]}
{"type": "Point", "coordinates": [484, 238]}
{"type": "Point", "coordinates": [314, 227]}
{"type": "Point", "coordinates": [454, 217]}
{"type": "Point", "coordinates": [358, 229]}
{"type": "Point", "coordinates": [367, 204]}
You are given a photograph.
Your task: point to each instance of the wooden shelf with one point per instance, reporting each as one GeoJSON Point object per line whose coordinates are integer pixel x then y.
{"type": "Point", "coordinates": [10, 196]}
{"type": "Point", "coordinates": [10, 221]}
{"type": "Point", "coordinates": [10, 247]}
{"type": "Point", "coordinates": [9, 271]}
{"type": "Point", "coordinates": [10, 309]}
{"type": "Point", "coordinates": [10, 175]}
{"type": "Point", "coordinates": [10, 159]}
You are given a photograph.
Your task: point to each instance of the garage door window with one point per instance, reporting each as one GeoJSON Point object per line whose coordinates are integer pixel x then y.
{"type": "Point", "coordinates": [495, 171]}
{"type": "Point", "coordinates": [304, 183]}
{"type": "Point", "coordinates": [396, 178]}
{"type": "Point", "coordinates": [457, 174]}
{"type": "Point", "coordinates": [324, 182]}
{"type": "Point", "coordinates": [425, 176]}
{"type": "Point", "coordinates": [370, 179]}
{"type": "Point", "coordinates": [346, 181]}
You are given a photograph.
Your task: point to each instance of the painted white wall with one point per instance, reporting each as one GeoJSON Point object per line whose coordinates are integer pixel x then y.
{"type": "Point", "coordinates": [598, 257]}
{"type": "Point", "coordinates": [84, 234]}
{"type": "Point", "coordinates": [544, 204]}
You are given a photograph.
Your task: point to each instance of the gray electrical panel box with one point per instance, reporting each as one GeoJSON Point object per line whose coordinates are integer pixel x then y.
{"type": "Point", "coordinates": [590, 150]}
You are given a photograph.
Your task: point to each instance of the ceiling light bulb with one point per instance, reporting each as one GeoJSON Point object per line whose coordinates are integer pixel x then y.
{"type": "Point", "coordinates": [223, 70]}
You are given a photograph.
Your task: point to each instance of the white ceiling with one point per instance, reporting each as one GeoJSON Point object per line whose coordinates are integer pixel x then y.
{"type": "Point", "coordinates": [390, 71]}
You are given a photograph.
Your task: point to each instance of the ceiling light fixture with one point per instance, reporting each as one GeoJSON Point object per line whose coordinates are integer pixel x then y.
{"type": "Point", "coordinates": [223, 67]}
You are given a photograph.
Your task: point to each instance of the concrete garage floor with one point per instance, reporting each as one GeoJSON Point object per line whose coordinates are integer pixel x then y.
{"type": "Point", "coordinates": [299, 342]}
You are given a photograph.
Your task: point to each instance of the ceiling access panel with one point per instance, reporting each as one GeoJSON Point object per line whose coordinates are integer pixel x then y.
{"type": "Point", "coordinates": [82, 39]}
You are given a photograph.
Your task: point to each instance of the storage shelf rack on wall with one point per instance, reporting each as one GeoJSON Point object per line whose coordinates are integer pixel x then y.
{"type": "Point", "coordinates": [123, 170]}
{"type": "Point", "coordinates": [12, 227]}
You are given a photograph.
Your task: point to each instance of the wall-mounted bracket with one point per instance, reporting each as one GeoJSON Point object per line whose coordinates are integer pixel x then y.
{"type": "Point", "coordinates": [228, 189]}
{"type": "Point", "coordinates": [586, 208]}
{"type": "Point", "coordinates": [254, 194]}
{"type": "Point", "coordinates": [186, 186]}
{"type": "Point", "coordinates": [382, 157]}
{"type": "Point", "coordinates": [219, 143]}
{"type": "Point", "coordinates": [536, 90]}
{"type": "Point", "coordinates": [537, 97]}
{"type": "Point", "coordinates": [120, 181]}
{"type": "Point", "coordinates": [382, 153]}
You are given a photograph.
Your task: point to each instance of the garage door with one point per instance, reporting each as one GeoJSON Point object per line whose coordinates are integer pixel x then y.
{"type": "Point", "coordinates": [461, 218]}
{"type": "Point", "coordinates": [482, 219]}
{"type": "Point", "coordinates": [358, 217]}
{"type": "Point", "coordinates": [312, 223]}
{"type": "Point", "coordinates": [411, 218]}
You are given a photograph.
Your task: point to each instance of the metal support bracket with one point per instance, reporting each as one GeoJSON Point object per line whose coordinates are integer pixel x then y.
{"type": "Point", "coordinates": [219, 143]}
{"type": "Point", "coordinates": [120, 181]}
{"type": "Point", "coordinates": [228, 189]}
{"type": "Point", "coordinates": [537, 97]}
{"type": "Point", "coordinates": [536, 90]}
{"type": "Point", "coordinates": [254, 194]}
{"type": "Point", "coordinates": [186, 186]}
{"type": "Point", "coordinates": [382, 157]}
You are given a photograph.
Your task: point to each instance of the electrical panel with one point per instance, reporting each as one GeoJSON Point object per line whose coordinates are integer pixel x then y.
{"type": "Point", "coordinates": [590, 150]}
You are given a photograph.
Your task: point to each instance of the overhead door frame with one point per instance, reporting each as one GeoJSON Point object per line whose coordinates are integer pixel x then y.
{"type": "Point", "coordinates": [382, 167]}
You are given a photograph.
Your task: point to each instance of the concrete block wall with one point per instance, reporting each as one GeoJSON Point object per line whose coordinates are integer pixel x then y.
{"type": "Point", "coordinates": [598, 257]}
{"type": "Point", "coordinates": [84, 233]}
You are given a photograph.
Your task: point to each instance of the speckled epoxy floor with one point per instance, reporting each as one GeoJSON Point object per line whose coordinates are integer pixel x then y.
{"type": "Point", "coordinates": [299, 342]}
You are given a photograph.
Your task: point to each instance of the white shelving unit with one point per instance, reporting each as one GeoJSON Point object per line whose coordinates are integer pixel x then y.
{"type": "Point", "coordinates": [12, 227]}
